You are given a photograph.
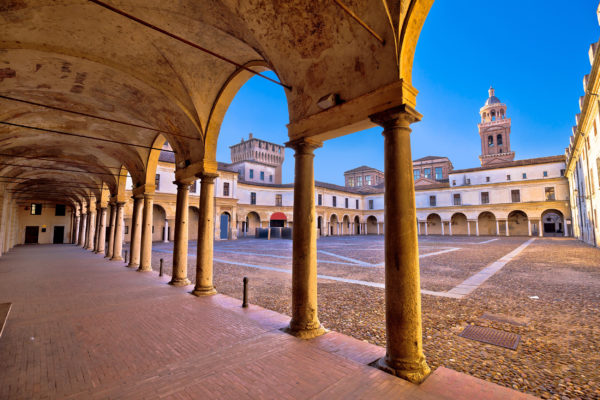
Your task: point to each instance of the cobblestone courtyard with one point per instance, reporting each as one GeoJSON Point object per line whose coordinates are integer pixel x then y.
{"type": "Point", "coordinates": [548, 290]}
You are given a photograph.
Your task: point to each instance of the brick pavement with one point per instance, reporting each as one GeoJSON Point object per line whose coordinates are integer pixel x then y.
{"type": "Point", "coordinates": [85, 327]}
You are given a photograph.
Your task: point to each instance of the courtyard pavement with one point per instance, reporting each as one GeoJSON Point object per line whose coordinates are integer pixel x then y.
{"type": "Point", "coordinates": [83, 327]}
{"type": "Point", "coordinates": [547, 290]}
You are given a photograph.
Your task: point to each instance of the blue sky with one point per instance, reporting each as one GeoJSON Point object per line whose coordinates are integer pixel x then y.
{"type": "Point", "coordinates": [534, 53]}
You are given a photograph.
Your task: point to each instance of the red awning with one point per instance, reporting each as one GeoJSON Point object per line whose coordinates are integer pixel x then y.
{"type": "Point", "coordinates": [278, 216]}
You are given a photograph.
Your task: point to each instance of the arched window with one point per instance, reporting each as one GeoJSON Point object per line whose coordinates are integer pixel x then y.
{"type": "Point", "coordinates": [499, 139]}
{"type": "Point", "coordinates": [490, 141]}
{"type": "Point", "coordinates": [493, 115]}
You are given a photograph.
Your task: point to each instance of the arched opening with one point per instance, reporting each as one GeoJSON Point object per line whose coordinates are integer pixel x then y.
{"type": "Point", "coordinates": [499, 139]}
{"type": "Point", "coordinates": [159, 216]}
{"type": "Point", "coordinates": [372, 225]}
{"type": "Point", "coordinates": [278, 220]}
{"type": "Point", "coordinates": [518, 223]}
{"type": "Point", "coordinates": [434, 224]}
{"type": "Point", "coordinates": [334, 226]}
{"type": "Point", "coordinates": [193, 217]}
{"type": "Point", "coordinates": [224, 224]}
{"type": "Point", "coordinates": [459, 224]}
{"type": "Point", "coordinates": [487, 223]}
{"type": "Point", "coordinates": [346, 225]}
{"type": "Point", "coordinates": [553, 223]}
{"type": "Point", "coordinates": [252, 222]}
{"type": "Point", "coordinates": [356, 225]}
{"type": "Point", "coordinates": [490, 141]}
{"type": "Point", "coordinates": [320, 225]}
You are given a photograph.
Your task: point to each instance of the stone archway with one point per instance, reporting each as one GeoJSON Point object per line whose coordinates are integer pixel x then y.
{"type": "Point", "coordinates": [518, 223]}
{"type": "Point", "coordinates": [357, 225]}
{"type": "Point", "coordinates": [252, 223]}
{"type": "Point", "coordinates": [434, 224]}
{"type": "Point", "coordinates": [159, 216]}
{"type": "Point", "coordinates": [553, 223]}
{"type": "Point", "coordinates": [487, 223]}
{"type": "Point", "coordinates": [459, 224]}
{"type": "Point", "coordinates": [372, 225]}
{"type": "Point", "coordinates": [346, 225]}
{"type": "Point", "coordinates": [334, 226]}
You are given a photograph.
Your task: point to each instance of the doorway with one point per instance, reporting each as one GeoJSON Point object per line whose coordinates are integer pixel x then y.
{"type": "Point", "coordinates": [31, 234]}
{"type": "Point", "coordinates": [59, 235]}
{"type": "Point", "coordinates": [224, 226]}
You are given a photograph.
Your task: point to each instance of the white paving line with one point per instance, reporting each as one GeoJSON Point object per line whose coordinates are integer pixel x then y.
{"type": "Point", "coordinates": [345, 258]}
{"type": "Point", "coordinates": [474, 281]}
{"type": "Point", "coordinates": [428, 254]}
{"type": "Point", "coordinates": [353, 264]}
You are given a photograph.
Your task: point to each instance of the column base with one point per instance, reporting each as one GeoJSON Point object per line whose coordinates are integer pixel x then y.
{"type": "Point", "coordinates": [415, 372]}
{"type": "Point", "coordinates": [145, 268]}
{"type": "Point", "coordinates": [130, 265]}
{"type": "Point", "coordinates": [116, 258]}
{"type": "Point", "coordinates": [181, 282]}
{"type": "Point", "coordinates": [306, 333]}
{"type": "Point", "coordinates": [204, 291]}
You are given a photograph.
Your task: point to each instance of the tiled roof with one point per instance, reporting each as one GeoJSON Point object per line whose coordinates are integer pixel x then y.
{"type": "Point", "coordinates": [428, 158]}
{"type": "Point", "coordinates": [517, 163]}
{"type": "Point", "coordinates": [362, 168]}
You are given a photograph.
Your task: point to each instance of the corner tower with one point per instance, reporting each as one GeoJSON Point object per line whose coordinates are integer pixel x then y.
{"type": "Point", "coordinates": [494, 130]}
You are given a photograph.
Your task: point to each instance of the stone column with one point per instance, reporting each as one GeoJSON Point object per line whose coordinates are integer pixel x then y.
{"type": "Point", "coordinates": [378, 228]}
{"type": "Point", "coordinates": [404, 351]}
{"type": "Point", "coordinates": [426, 233]}
{"type": "Point", "coordinates": [97, 230]}
{"type": "Point", "coordinates": [497, 228]}
{"type": "Point", "coordinates": [541, 230]}
{"type": "Point", "coordinates": [442, 227]}
{"type": "Point", "coordinates": [180, 245]}
{"type": "Point", "coordinates": [166, 232]}
{"type": "Point", "coordinates": [101, 240]}
{"type": "Point", "coordinates": [89, 233]}
{"type": "Point", "coordinates": [76, 229]}
{"type": "Point", "coordinates": [477, 227]}
{"type": "Point", "coordinates": [111, 233]}
{"type": "Point", "coordinates": [418, 227]}
{"type": "Point", "coordinates": [468, 228]}
{"type": "Point", "coordinates": [82, 229]}
{"type": "Point", "coordinates": [450, 227]}
{"type": "Point", "coordinates": [528, 227]}
{"type": "Point", "coordinates": [146, 250]}
{"type": "Point", "coordinates": [305, 322]}
{"type": "Point", "coordinates": [506, 227]}
{"type": "Point", "coordinates": [204, 259]}
{"type": "Point", "coordinates": [118, 243]}
{"type": "Point", "coordinates": [565, 226]}
{"type": "Point", "coordinates": [136, 232]}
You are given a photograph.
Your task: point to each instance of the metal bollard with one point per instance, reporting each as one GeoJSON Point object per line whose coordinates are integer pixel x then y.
{"type": "Point", "coordinates": [125, 258]}
{"type": "Point", "coordinates": [245, 299]}
{"type": "Point", "coordinates": [161, 267]}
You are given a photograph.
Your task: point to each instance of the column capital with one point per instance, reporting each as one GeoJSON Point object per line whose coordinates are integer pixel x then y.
{"type": "Point", "coordinates": [120, 203]}
{"type": "Point", "coordinates": [137, 197]}
{"type": "Point", "coordinates": [401, 116]}
{"type": "Point", "coordinates": [149, 196]}
{"type": "Point", "coordinates": [304, 145]}
{"type": "Point", "coordinates": [183, 184]}
{"type": "Point", "coordinates": [208, 177]}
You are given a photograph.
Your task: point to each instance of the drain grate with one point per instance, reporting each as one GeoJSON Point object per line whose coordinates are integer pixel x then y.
{"type": "Point", "coordinates": [491, 336]}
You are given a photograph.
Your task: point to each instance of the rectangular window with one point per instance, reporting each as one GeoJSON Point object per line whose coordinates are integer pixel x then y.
{"type": "Point", "coordinates": [515, 195]}
{"type": "Point", "coordinates": [225, 189]}
{"type": "Point", "coordinates": [334, 200]}
{"type": "Point", "coordinates": [357, 204]}
{"type": "Point", "coordinates": [126, 229]}
{"type": "Point", "coordinates": [359, 181]}
{"type": "Point", "coordinates": [61, 210]}
{"type": "Point", "coordinates": [453, 182]}
{"type": "Point", "coordinates": [370, 204]}
{"type": "Point", "coordinates": [346, 202]}
{"type": "Point", "coordinates": [456, 199]}
{"type": "Point", "coordinates": [320, 199]}
{"type": "Point", "coordinates": [438, 173]}
{"type": "Point", "coordinates": [271, 178]}
{"type": "Point", "coordinates": [427, 173]}
{"type": "Point", "coordinates": [262, 175]}
{"type": "Point", "coordinates": [36, 209]}
{"type": "Point", "coordinates": [524, 175]}
{"type": "Point", "coordinates": [368, 180]}
{"type": "Point", "coordinates": [545, 174]}
{"type": "Point", "coordinates": [417, 174]}
{"type": "Point", "coordinates": [468, 181]}
{"type": "Point", "coordinates": [487, 178]}
{"type": "Point", "coordinates": [351, 182]}
{"type": "Point", "coordinates": [432, 201]}
{"type": "Point", "coordinates": [193, 188]}
{"type": "Point", "coordinates": [485, 198]}
{"type": "Point", "coordinates": [252, 198]}
{"type": "Point", "coordinates": [278, 200]}
{"type": "Point", "coordinates": [251, 173]}
{"type": "Point", "coordinates": [508, 177]}
{"type": "Point", "coordinates": [562, 172]}
{"type": "Point", "coordinates": [550, 194]}
{"type": "Point", "coordinates": [157, 181]}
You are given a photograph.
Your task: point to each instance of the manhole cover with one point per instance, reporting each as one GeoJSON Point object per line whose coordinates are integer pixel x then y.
{"type": "Point", "coordinates": [491, 336]}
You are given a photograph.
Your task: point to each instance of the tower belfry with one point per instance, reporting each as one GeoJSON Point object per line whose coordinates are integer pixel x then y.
{"type": "Point", "coordinates": [494, 130]}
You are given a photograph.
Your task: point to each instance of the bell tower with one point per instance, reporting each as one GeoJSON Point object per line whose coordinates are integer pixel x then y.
{"type": "Point", "coordinates": [494, 131]}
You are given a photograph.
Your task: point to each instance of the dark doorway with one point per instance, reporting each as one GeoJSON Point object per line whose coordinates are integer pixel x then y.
{"type": "Point", "coordinates": [31, 234]}
{"type": "Point", "coordinates": [224, 226]}
{"type": "Point", "coordinates": [59, 234]}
